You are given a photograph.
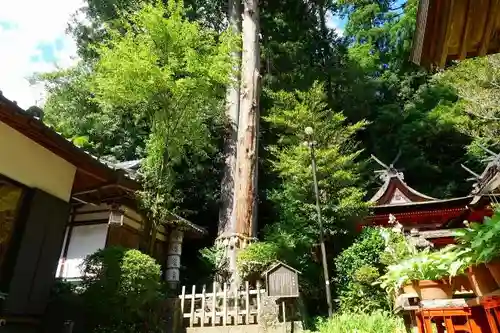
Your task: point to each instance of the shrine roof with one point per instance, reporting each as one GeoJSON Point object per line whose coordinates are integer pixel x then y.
{"type": "Point", "coordinates": [395, 191]}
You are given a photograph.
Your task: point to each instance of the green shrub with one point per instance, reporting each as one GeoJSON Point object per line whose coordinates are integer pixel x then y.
{"type": "Point", "coordinates": [122, 292]}
{"type": "Point", "coordinates": [397, 247]}
{"type": "Point", "coordinates": [358, 267]}
{"type": "Point", "coordinates": [353, 322]}
{"type": "Point", "coordinates": [255, 259]}
{"type": "Point", "coordinates": [481, 240]}
{"type": "Point", "coordinates": [425, 265]}
{"type": "Point", "coordinates": [216, 260]}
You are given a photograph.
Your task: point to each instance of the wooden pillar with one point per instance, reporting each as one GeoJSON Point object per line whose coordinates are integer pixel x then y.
{"type": "Point", "coordinates": [172, 274]}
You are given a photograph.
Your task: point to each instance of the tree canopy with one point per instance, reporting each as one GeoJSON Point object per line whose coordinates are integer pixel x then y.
{"type": "Point", "coordinates": [150, 85]}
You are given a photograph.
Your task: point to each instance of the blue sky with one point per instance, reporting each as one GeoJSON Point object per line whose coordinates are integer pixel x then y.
{"type": "Point", "coordinates": [33, 39]}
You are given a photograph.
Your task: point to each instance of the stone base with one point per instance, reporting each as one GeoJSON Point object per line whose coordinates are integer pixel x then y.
{"type": "Point", "coordinates": [297, 327]}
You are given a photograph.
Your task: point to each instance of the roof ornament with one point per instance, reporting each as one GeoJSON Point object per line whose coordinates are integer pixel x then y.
{"type": "Point", "coordinates": [483, 182]}
{"type": "Point", "coordinates": [389, 170]}
{"type": "Point", "coordinates": [475, 176]}
{"type": "Point", "coordinates": [494, 157]}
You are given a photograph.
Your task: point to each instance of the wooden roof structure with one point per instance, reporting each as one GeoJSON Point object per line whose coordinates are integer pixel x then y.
{"type": "Point", "coordinates": [414, 210]}
{"type": "Point", "coordinates": [450, 30]}
{"type": "Point", "coordinates": [91, 173]}
{"type": "Point", "coordinates": [95, 181]}
{"type": "Point", "coordinates": [394, 190]}
{"type": "Point", "coordinates": [277, 264]}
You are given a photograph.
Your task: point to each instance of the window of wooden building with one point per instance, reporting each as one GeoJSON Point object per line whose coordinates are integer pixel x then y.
{"type": "Point", "coordinates": [10, 201]}
{"type": "Point", "coordinates": [84, 240]}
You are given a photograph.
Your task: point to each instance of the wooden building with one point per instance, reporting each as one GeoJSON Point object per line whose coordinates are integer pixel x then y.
{"type": "Point", "coordinates": [432, 221]}
{"type": "Point", "coordinates": [426, 217]}
{"type": "Point", "coordinates": [450, 30]}
{"type": "Point", "coordinates": [58, 204]}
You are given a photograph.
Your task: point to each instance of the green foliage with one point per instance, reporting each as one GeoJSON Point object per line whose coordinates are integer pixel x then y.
{"type": "Point", "coordinates": [368, 322]}
{"type": "Point", "coordinates": [71, 108]}
{"type": "Point", "coordinates": [426, 265]}
{"type": "Point", "coordinates": [216, 258]}
{"type": "Point", "coordinates": [341, 199]}
{"type": "Point", "coordinates": [357, 268]}
{"type": "Point", "coordinates": [295, 230]}
{"type": "Point", "coordinates": [121, 292]}
{"type": "Point", "coordinates": [481, 241]}
{"type": "Point", "coordinates": [171, 71]}
{"type": "Point", "coordinates": [476, 83]}
{"type": "Point", "coordinates": [397, 247]}
{"type": "Point", "coordinates": [255, 259]}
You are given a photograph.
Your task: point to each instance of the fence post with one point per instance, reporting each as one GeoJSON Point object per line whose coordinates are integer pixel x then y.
{"type": "Point", "coordinates": [214, 303]}
{"type": "Point", "coordinates": [224, 319]}
{"type": "Point", "coordinates": [258, 298]}
{"type": "Point", "coordinates": [283, 304]}
{"type": "Point", "coordinates": [236, 304]}
{"type": "Point", "coordinates": [183, 300]}
{"type": "Point", "coordinates": [203, 305]}
{"type": "Point", "coordinates": [247, 303]}
{"type": "Point", "coordinates": [193, 296]}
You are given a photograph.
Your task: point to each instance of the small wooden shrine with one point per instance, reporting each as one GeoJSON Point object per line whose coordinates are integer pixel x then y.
{"type": "Point", "coordinates": [450, 30]}
{"type": "Point", "coordinates": [282, 281]}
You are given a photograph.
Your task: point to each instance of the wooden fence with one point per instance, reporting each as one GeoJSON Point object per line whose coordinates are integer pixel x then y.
{"type": "Point", "coordinates": [226, 306]}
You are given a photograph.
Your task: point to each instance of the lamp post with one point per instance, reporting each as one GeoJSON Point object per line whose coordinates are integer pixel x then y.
{"type": "Point", "coordinates": [311, 143]}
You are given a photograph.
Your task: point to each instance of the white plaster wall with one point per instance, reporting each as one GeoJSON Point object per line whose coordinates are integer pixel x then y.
{"type": "Point", "coordinates": [34, 166]}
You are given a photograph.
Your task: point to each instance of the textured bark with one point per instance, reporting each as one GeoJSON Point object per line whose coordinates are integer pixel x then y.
{"type": "Point", "coordinates": [246, 161]}
{"type": "Point", "coordinates": [226, 217]}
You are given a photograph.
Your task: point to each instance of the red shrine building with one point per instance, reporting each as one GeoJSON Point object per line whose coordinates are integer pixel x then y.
{"type": "Point", "coordinates": [430, 218]}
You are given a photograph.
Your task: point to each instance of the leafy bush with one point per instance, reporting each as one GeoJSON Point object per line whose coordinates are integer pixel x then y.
{"type": "Point", "coordinates": [255, 259]}
{"type": "Point", "coordinates": [358, 267]}
{"type": "Point", "coordinates": [354, 322]}
{"type": "Point", "coordinates": [122, 292]}
{"type": "Point", "coordinates": [447, 262]}
{"type": "Point", "coordinates": [397, 247]}
{"type": "Point", "coordinates": [481, 240]}
{"type": "Point", "coordinates": [216, 259]}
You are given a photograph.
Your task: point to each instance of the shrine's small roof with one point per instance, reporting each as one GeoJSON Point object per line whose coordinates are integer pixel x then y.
{"type": "Point", "coordinates": [277, 264]}
{"type": "Point", "coordinates": [395, 191]}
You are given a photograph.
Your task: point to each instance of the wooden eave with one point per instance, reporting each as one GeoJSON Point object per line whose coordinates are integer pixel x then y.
{"type": "Point", "coordinates": [90, 174]}
{"type": "Point", "coordinates": [436, 214]}
{"type": "Point", "coordinates": [277, 264]}
{"type": "Point", "coordinates": [95, 182]}
{"type": "Point", "coordinates": [450, 30]}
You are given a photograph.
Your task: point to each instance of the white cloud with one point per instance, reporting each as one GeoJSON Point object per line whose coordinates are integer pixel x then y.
{"type": "Point", "coordinates": [334, 23]}
{"type": "Point", "coordinates": [25, 25]}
